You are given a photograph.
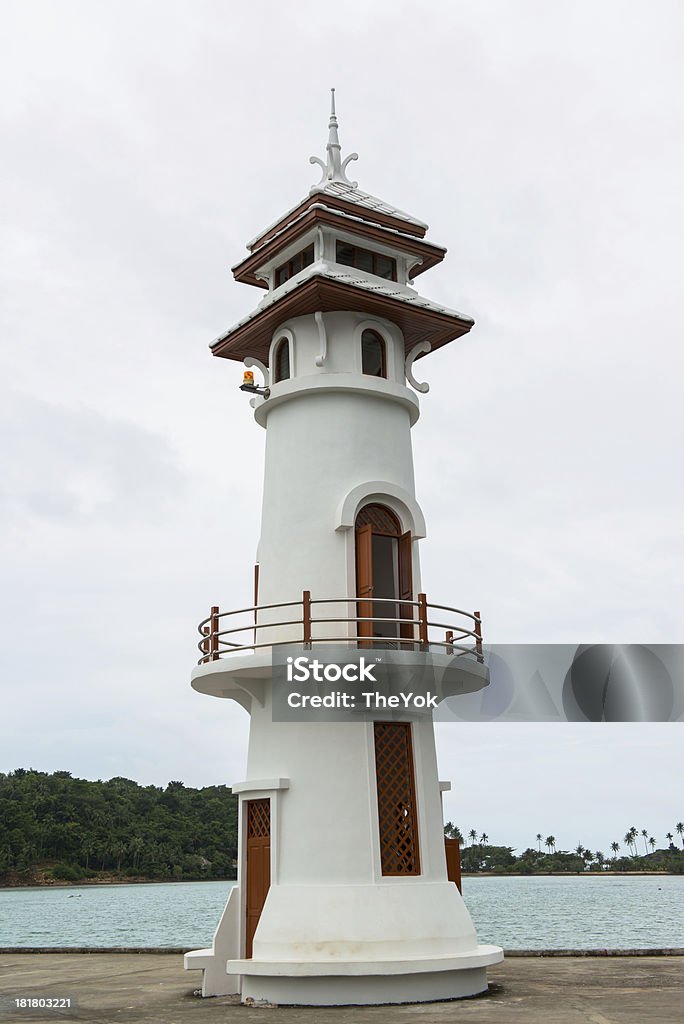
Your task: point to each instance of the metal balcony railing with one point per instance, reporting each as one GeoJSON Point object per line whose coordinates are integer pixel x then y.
{"type": "Point", "coordinates": [413, 628]}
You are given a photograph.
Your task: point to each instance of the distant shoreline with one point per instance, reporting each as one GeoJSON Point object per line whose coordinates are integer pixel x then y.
{"type": "Point", "coordinates": [570, 874]}
{"type": "Point", "coordinates": [87, 882]}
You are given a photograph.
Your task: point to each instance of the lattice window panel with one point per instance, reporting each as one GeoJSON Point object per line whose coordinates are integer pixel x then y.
{"type": "Point", "coordinates": [258, 819]}
{"type": "Point", "coordinates": [380, 518]}
{"type": "Point", "coordinates": [396, 799]}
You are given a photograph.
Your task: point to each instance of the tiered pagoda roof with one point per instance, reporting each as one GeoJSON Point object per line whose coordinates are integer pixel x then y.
{"type": "Point", "coordinates": [338, 206]}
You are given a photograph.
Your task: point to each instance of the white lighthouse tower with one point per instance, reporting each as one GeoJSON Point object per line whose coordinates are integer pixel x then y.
{"type": "Point", "coordinates": [343, 891]}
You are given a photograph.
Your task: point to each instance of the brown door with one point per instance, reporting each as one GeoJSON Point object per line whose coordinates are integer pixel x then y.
{"type": "Point", "coordinates": [258, 864]}
{"type": "Point", "coordinates": [452, 849]}
{"type": "Point", "coordinates": [364, 579]}
{"type": "Point", "coordinates": [406, 585]}
{"type": "Point", "coordinates": [384, 564]}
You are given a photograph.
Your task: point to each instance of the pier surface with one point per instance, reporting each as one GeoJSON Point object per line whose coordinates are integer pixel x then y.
{"type": "Point", "coordinates": [153, 987]}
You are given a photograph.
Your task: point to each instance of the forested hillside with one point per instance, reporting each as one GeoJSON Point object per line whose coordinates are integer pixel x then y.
{"type": "Point", "coordinates": [55, 827]}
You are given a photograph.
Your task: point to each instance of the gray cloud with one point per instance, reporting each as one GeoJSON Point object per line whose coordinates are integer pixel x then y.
{"type": "Point", "coordinates": [143, 145]}
{"type": "Point", "coordinates": [75, 465]}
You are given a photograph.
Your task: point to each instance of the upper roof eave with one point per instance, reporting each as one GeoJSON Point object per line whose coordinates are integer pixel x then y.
{"type": "Point", "coordinates": [384, 213]}
{"type": "Point", "coordinates": [431, 253]}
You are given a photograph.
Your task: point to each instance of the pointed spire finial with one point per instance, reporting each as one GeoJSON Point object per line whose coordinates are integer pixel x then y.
{"type": "Point", "coordinates": [334, 167]}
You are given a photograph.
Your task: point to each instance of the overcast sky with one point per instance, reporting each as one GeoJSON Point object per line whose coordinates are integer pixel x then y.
{"type": "Point", "coordinates": [143, 144]}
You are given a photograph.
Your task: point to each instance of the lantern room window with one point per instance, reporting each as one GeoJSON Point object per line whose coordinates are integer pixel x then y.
{"type": "Point", "coordinates": [281, 361]}
{"type": "Point", "coordinates": [364, 259]}
{"type": "Point", "coordinates": [373, 355]}
{"type": "Point", "coordinates": [287, 270]}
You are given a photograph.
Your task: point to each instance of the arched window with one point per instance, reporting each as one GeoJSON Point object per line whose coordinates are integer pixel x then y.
{"type": "Point", "coordinates": [373, 360]}
{"type": "Point", "coordinates": [281, 361]}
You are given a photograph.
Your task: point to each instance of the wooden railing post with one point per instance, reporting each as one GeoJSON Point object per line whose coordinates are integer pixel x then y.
{"type": "Point", "coordinates": [306, 616]}
{"type": "Point", "coordinates": [422, 619]}
{"type": "Point", "coordinates": [449, 638]}
{"type": "Point", "coordinates": [478, 636]}
{"type": "Point", "coordinates": [213, 634]}
{"type": "Point", "coordinates": [204, 645]}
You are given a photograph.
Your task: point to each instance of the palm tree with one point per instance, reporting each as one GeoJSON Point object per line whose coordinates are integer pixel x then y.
{"type": "Point", "coordinates": [580, 850]}
{"type": "Point", "coordinates": [615, 846]}
{"type": "Point", "coordinates": [550, 843]}
{"type": "Point", "coordinates": [652, 844]}
{"type": "Point", "coordinates": [600, 859]}
{"type": "Point", "coordinates": [645, 835]}
{"type": "Point", "coordinates": [483, 838]}
{"type": "Point", "coordinates": [119, 849]}
{"type": "Point", "coordinates": [136, 846]}
{"type": "Point", "coordinates": [539, 840]}
{"type": "Point", "coordinates": [631, 838]}
{"type": "Point", "coordinates": [627, 839]}
{"type": "Point", "coordinates": [679, 828]}
{"type": "Point", "coordinates": [87, 850]}
{"type": "Point", "coordinates": [472, 836]}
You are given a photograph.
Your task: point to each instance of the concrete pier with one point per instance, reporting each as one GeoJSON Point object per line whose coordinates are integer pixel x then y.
{"type": "Point", "coordinates": [153, 987]}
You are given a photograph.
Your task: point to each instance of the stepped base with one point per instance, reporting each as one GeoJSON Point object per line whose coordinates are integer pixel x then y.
{"type": "Point", "coordinates": [365, 983]}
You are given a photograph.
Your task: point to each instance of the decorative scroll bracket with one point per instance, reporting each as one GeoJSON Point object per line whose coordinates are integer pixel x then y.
{"type": "Point", "coordinates": [323, 338]}
{"type": "Point", "coordinates": [422, 348]}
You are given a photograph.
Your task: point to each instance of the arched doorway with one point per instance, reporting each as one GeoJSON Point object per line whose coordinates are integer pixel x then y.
{"type": "Point", "coordinates": [384, 577]}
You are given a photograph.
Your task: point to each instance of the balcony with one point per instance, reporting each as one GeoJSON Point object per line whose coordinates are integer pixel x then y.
{"type": "Point", "coordinates": [379, 623]}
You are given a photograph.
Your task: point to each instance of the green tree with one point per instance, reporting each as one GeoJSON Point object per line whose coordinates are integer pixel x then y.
{"type": "Point", "coordinates": [645, 836]}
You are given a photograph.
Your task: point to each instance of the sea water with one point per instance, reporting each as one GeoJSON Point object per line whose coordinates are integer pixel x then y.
{"type": "Point", "coordinates": [532, 912]}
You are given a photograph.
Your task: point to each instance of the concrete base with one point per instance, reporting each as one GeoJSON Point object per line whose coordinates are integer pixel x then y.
{"type": "Point", "coordinates": [368, 990]}
{"type": "Point", "coordinates": [365, 983]}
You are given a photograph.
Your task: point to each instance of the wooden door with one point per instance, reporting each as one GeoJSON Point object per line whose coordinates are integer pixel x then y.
{"type": "Point", "coordinates": [406, 611]}
{"type": "Point", "coordinates": [258, 817]}
{"type": "Point", "coordinates": [452, 849]}
{"type": "Point", "coordinates": [364, 580]}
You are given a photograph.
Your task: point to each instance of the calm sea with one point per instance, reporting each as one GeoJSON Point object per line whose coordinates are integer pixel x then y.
{"type": "Point", "coordinates": [516, 913]}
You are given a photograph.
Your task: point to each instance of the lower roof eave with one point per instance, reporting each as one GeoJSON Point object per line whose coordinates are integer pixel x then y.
{"type": "Point", "coordinates": [420, 320]}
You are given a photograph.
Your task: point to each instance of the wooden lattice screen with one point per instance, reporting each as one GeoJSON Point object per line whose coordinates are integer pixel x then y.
{"type": "Point", "coordinates": [396, 799]}
{"type": "Point", "coordinates": [258, 819]}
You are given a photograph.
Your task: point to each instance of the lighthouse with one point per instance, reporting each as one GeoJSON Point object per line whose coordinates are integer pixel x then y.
{"type": "Point", "coordinates": [344, 894]}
